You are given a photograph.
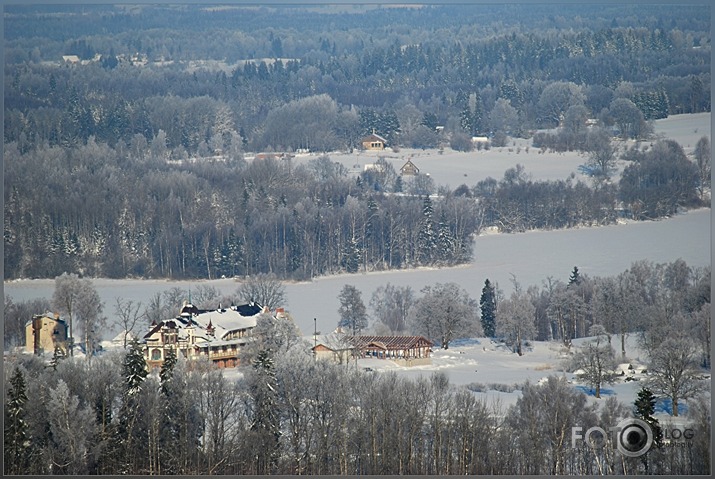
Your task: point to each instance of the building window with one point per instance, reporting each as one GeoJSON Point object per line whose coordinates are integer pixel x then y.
{"type": "Point", "coordinates": [156, 354]}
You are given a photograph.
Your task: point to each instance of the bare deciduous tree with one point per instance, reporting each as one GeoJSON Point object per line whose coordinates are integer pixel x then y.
{"type": "Point", "coordinates": [264, 289]}
{"type": "Point", "coordinates": [672, 371]}
{"type": "Point", "coordinates": [516, 321]}
{"type": "Point", "coordinates": [596, 360]}
{"type": "Point", "coordinates": [391, 305]}
{"type": "Point", "coordinates": [127, 316]}
{"type": "Point", "coordinates": [78, 299]}
{"type": "Point", "coordinates": [445, 312]}
{"type": "Point", "coordinates": [601, 154]}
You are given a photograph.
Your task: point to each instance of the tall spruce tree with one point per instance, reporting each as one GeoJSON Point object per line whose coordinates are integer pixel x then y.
{"type": "Point", "coordinates": [644, 409]}
{"type": "Point", "coordinates": [16, 442]}
{"type": "Point", "coordinates": [170, 429]}
{"type": "Point", "coordinates": [427, 240]}
{"type": "Point", "coordinates": [265, 423]}
{"type": "Point", "coordinates": [134, 372]}
{"type": "Point", "coordinates": [445, 240]}
{"type": "Point", "coordinates": [488, 309]}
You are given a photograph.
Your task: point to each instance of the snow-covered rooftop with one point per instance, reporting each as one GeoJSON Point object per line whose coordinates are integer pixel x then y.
{"type": "Point", "coordinates": [225, 322]}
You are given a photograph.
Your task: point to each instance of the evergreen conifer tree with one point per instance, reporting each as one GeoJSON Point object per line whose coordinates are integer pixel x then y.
{"type": "Point", "coordinates": [575, 277]}
{"type": "Point", "coordinates": [169, 437]}
{"type": "Point", "coordinates": [488, 308]}
{"type": "Point", "coordinates": [167, 370]}
{"type": "Point", "coordinates": [134, 372]}
{"type": "Point", "coordinates": [16, 430]}
{"type": "Point", "coordinates": [134, 369]}
{"type": "Point", "coordinates": [266, 417]}
{"type": "Point", "coordinates": [427, 237]}
{"type": "Point", "coordinates": [58, 356]}
{"type": "Point", "coordinates": [644, 409]}
{"type": "Point", "coordinates": [445, 240]}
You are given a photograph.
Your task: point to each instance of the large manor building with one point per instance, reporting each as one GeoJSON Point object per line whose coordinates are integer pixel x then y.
{"type": "Point", "coordinates": [217, 335]}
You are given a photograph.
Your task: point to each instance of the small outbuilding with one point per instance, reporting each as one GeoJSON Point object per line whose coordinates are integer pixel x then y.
{"type": "Point", "coordinates": [409, 169]}
{"type": "Point", "coordinates": [402, 349]}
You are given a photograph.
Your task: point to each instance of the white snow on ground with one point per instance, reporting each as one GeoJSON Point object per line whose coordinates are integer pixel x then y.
{"type": "Point", "coordinates": [501, 373]}
{"type": "Point", "coordinates": [531, 256]}
{"type": "Point", "coordinates": [453, 168]}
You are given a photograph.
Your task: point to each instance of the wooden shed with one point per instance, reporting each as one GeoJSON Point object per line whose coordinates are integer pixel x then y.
{"type": "Point", "coordinates": [409, 169]}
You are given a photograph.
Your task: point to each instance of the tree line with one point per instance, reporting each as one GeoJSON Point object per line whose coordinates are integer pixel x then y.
{"type": "Point", "coordinates": [230, 217]}
{"type": "Point", "coordinates": [292, 414]}
{"type": "Point", "coordinates": [464, 83]}
{"type": "Point", "coordinates": [651, 299]}
{"type": "Point", "coordinates": [296, 415]}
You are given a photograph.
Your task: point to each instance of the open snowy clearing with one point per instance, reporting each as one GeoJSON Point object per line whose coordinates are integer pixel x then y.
{"type": "Point", "coordinates": [497, 374]}
{"type": "Point", "coordinates": [453, 168]}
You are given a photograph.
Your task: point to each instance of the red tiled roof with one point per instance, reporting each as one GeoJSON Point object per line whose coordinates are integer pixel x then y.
{"type": "Point", "coordinates": [389, 342]}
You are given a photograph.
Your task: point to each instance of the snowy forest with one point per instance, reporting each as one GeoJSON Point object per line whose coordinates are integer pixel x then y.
{"type": "Point", "coordinates": [132, 136]}
{"type": "Point", "coordinates": [145, 137]}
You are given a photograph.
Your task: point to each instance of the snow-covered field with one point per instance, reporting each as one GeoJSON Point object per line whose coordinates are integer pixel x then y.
{"type": "Point", "coordinates": [531, 257]}
{"type": "Point", "coordinates": [497, 374]}
{"type": "Point", "coordinates": [453, 168]}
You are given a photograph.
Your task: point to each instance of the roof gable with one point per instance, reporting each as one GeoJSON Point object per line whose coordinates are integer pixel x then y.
{"type": "Point", "coordinates": [374, 137]}
{"type": "Point", "coordinates": [409, 167]}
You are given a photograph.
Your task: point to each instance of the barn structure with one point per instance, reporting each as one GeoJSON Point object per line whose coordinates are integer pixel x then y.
{"type": "Point", "coordinates": [409, 169]}
{"type": "Point", "coordinates": [405, 349]}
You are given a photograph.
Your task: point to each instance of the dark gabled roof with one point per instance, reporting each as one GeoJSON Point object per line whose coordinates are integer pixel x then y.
{"type": "Point", "coordinates": [410, 166]}
{"type": "Point", "coordinates": [249, 309]}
